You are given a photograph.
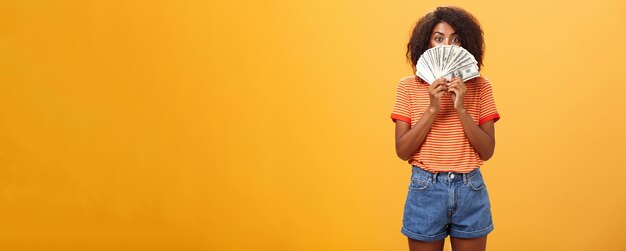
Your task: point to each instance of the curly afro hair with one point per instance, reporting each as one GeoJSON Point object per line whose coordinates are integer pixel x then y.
{"type": "Point", "coordinates": [463, 23]}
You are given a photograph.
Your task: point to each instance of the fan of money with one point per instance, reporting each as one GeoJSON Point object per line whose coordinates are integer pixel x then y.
{"type": "Point", "coordinates": [446, 61]}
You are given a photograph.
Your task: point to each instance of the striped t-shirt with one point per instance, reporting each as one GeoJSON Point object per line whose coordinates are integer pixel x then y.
{"type": "Point", "coordinates": [445, 148]}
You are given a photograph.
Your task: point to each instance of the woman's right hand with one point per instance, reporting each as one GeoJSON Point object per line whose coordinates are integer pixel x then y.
{"type": "Point", "coordinates": [437, 89]}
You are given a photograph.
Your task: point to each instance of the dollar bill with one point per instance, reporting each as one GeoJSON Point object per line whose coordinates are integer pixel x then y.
{"type": "Point", "coordinates": [446, 61]}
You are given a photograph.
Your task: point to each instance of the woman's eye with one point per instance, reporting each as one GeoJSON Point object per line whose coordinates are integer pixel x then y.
{"type": "Point", "coordinates": [438, 39]}
{"type": "Point", "coordinates": [456, 40]}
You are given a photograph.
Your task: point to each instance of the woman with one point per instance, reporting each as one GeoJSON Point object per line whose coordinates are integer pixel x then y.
{"type": "Point", "coordinates": [445, 131]}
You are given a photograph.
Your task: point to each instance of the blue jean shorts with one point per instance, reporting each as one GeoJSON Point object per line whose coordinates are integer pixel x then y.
{"type": "Point", "coordinates": [446, 203]}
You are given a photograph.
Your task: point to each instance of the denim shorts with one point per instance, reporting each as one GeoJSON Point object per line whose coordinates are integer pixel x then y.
{"type": "Point", "coordinates": [446, 203]}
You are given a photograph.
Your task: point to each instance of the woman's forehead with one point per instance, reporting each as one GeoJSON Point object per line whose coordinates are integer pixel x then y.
{"type": "Point", "coordinates": [443, 28]}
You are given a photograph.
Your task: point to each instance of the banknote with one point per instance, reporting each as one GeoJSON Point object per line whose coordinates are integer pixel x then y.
{"type": "Point", "coordinates": [446, 61]}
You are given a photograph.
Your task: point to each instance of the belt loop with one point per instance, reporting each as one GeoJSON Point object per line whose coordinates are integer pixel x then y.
{"type": "Point", "coordinates": [434, 177]}
{"type": "Point", "coordinates": [465, 178]}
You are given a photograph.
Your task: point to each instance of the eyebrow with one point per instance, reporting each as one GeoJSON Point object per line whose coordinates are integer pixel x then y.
{"type": "Point", "coordinates": [443, 34]}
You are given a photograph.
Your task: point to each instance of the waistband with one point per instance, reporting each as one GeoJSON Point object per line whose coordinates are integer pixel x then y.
{"type": "Point", "coordinates": [445, 176]}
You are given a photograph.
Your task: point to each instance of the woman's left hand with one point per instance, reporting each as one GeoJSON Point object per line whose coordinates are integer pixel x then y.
{"type": "Point", "coordinates": [458, 89]}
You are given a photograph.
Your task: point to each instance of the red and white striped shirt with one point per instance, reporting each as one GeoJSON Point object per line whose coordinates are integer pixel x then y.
{"type": "Point", "coordinates": [445, 148]}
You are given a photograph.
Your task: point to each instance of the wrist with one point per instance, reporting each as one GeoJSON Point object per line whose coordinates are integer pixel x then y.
{"type": "Point", "coordinates": [461, 110]}
{"type": "Point", "coordinates": [433, 110]}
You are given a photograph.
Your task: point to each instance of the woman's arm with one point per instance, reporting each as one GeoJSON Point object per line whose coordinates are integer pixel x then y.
{"type": "Point", "coordinates": [408, 139]}
{"type": "Point", "coordinates": [482, 138]}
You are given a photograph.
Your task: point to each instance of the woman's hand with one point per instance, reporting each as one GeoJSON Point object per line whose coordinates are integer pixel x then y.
{"type": "Point", "coordinates": [458, 89]}
{"type": "Point", "coordinates": [437, 89]}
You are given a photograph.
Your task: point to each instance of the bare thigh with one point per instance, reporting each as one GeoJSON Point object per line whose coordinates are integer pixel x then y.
{"type": "Point", "coordinates": [415, 245]}
{"type": "Point", "coordinates": [474, 244]}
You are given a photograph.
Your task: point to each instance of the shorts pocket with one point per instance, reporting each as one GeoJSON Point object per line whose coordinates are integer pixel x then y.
{"type": "Point", "coordinates": [476, 182]}
{"type": "Point", "coordinates": [419, 182]}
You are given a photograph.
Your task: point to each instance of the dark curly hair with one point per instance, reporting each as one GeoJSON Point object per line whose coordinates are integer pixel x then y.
{"type": "Point", "coordinates": [463, 23]}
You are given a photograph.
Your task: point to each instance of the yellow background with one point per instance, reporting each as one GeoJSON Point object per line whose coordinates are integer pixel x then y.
{"type": "Point", "coordinates": [260, 125]}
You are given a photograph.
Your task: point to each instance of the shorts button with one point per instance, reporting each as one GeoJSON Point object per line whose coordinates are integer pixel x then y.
{"type": "Point", "coordinates": [451, 176]}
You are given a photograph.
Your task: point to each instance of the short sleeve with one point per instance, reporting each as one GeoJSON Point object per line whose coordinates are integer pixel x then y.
{"type": "Point", "coordinates": [401, 108]}
{"type": "Point", "coordinates": [487, 104]}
